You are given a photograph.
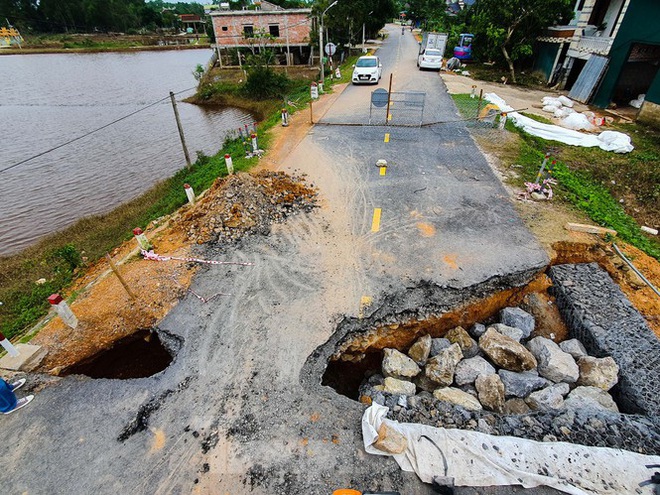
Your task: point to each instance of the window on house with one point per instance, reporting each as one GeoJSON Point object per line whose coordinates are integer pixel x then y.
{"type": "Point", "coordinates": [225, 28]}
{"type": "Point", "coordinates": [248, 30]}
{"type": "Point", "coordinates": [274, 30]}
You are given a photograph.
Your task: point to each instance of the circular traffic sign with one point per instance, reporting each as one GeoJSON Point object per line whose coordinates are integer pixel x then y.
{"type": "Point", "coordinates": [330, 49]}
{"type": "Point", "coordinates": [379, 97]}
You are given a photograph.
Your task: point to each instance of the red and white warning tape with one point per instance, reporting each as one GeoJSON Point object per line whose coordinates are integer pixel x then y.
{"type": "Point", "coordinates": [150, 255]}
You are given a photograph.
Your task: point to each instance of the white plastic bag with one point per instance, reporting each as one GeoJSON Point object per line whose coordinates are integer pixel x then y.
{"type": "Point", "coordinates": [567, 102]}
{"type": "Point", "coordinates": [563, 112]}
{"type": "Point", "coordinates": [577, 122]}
{"type": "Point", "coordinates": [615, 141]}
{"type": "Point", "coordinates": [550, 108]}
{"type": "Point", "coordinates": [549, 100]}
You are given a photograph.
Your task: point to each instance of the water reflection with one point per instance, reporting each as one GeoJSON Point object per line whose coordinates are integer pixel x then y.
{"type": "Point", "coordinates": [55, 98]}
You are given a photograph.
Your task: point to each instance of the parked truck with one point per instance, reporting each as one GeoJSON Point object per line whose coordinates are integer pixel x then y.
{"type": "Point", "coordinates": [436, 41]}
{"type": "Point", "coordinates": [431, 50]}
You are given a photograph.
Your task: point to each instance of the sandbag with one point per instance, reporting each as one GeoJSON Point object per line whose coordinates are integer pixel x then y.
{"type": "Point", "coordinates": [567, 102]}
{"type": "Point", "coordinates": [577, 122]}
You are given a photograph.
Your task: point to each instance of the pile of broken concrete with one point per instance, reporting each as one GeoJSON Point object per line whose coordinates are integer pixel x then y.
{"type": "Point", "coordinates": [503, 380]}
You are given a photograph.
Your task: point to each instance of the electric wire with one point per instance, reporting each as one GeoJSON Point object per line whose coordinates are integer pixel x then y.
{"type": "Point", "coordinates": [92, 131]}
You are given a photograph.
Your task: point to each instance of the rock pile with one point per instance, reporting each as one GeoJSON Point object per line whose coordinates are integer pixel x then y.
{"type": "Point", "coordinates": [242, 204]}
{"type": "Point", "coordinates": [503, 380]}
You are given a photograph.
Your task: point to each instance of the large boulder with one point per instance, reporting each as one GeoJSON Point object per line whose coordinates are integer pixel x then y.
{"type": "Point", "coordinates": [515, 333]}
{"type": "Point", "coordinates": [397, 364]}
{"type": "Point", "coordinates": [420, 350]}
{"type": "Point", "coordinates": [521, 384]}
{"type": "Point", "coordinates": [574, 347]}
{"type": "Point", "coordinates": [400, 387]}
{"type": "Point", "coordinates": [468, 370]}
{"type": "Point", "coordinates": [390, 440]}
{"type": "Point", "coordinates": [477, 330]}
{"type": "Point", "coordinates": [553, 363]}
{"type": "Point", "coordinates": [491, 392]}
{"type": "Point", "coordinates": [596, 398]}
{"type": "Point", "coordinates": [598, 372]}
{"type": "Point", "coordinates": [459, 335]}
{"type": "Point", "coordinates": [517, 318]}
{"type": "Point", "coordinates": [441, 368]}
{"type": "Point", "coordinates": [548, 399]}
{"type": "Point", "coordinates": [424, 383]}
{"type": "Point", "coordinates": [437, 345]}
{"type": "Point", "coordinates": [458, 397]}
{"type": "Point", "coordinates": [516, 406]}
{"type": "Point", "coordinates": [506, 352]}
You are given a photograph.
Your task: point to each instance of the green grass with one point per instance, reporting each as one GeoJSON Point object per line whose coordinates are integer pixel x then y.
{"type": "Point", "coordinates": [62, 256]}
{"type": "Point", "coordinates": [591, 179]}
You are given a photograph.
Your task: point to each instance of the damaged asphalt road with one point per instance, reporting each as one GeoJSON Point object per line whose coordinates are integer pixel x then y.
{"type": "Point", "coordinates": [241, 408]}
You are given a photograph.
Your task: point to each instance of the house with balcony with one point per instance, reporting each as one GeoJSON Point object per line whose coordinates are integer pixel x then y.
{"type": "Point", "coordinates": [610, 53]}
{"type": "Point", "coordinates": [265, 25]}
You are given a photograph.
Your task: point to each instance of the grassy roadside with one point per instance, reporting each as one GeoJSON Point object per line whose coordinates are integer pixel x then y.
{"type": "Point", "coordinates": [617, 191]}
{"type": "Point", "coordinates": [29, 277]}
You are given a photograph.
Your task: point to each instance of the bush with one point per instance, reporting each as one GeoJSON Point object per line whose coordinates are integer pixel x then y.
{"type": "Point", "coordinates": [264, 83]}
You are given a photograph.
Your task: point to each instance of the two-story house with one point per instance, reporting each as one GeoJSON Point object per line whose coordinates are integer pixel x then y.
{"type": "Point", "coordinates": [609, 53]}
{"type": "Point", "coordinates": [287, 29]}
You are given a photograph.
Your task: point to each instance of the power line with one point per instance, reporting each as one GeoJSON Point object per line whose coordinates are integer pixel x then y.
{"type": "Point", "coordinates": [91, 132]}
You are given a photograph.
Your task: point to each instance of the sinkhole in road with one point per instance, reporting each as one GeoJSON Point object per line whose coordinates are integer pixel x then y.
{"type": "Point", "coordinates": [139, 355]}
{"type": "Point", "coordinates": [615, 408]}
{"type": "Point", "coordinates": [360, 354]}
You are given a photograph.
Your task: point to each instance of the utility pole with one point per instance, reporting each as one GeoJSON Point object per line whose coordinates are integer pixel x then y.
{"type": "Point", "coordinates": [321, 40]}
{"type": "Point", "coordinates": [364, 48]}
{"type": "Point", "coordinates": [178, 124]}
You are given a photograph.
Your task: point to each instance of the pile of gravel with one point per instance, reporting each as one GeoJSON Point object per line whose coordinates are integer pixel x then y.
{"type": "Point", "coordinates": [242, 204]}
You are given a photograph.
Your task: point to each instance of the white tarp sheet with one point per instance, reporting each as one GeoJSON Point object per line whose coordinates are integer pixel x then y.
{"type": "Point", "coordinates": [477, 459]}
{"type": "Point", "coordinates": [606, 140]}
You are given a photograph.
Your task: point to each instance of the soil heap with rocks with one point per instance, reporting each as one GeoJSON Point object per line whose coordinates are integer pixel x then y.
{"type": "Point", "coordinates": [242, 204]}
{"type": "Point", "coordinates": [501, 381]}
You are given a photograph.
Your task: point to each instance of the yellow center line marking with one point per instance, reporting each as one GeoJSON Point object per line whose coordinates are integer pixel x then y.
{"type": "Point", "coordinates": [383, 170]}
{"type": "Point", "coordinates": [387, 137]}
{"type": "Point", "coordinates": [375, 222]}
{"type": "Point", "coordinates": [389, 117]}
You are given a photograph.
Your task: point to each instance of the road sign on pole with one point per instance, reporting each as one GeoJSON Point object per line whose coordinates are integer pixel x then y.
{"type": "Point", "coordinates": [330, 49]}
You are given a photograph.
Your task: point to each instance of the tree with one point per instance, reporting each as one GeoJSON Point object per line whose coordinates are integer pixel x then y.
{"type": "Point", "coordinates": [513, 25]}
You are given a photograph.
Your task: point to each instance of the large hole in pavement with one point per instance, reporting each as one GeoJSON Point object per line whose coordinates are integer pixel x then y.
{"type": "Point", "coordinates": [361, 357]}
{"type": "Point", "coordinates": [139, 355]}
{"type": "Point", "coordinates": [355, 354]}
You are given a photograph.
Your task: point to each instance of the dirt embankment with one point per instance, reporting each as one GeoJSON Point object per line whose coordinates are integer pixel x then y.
{"type": "Point", "coordinates": [233, 207]}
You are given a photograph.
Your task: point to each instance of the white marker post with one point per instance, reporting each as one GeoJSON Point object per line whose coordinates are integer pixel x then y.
{"type": "Point", "coordinates": [189, 193]}
{"type": "Point", "coordinates": [255, 143]}
{"type": "Point", "coordinates": [473, 93]}
{"type": "Point", "coordinates": [63, 310]}
{"type": "Point", "coordinates": [230, 164]}
{"type": "Point", "coordinates": [141, 239]}
{"type": "Point", "coordinates": [285, 118]}
{"type": "Point", "coordinates": [314, 91]}
{"type": "Point", "coordinates": [502, 120]}
{"type": "Point", "coordinates": [9, 347]}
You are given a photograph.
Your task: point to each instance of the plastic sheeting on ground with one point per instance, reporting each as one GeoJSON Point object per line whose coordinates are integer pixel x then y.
{"type": "Point", "coordinates": [607, 140]}
{"type": "Point", "coordinates": [477, 459]}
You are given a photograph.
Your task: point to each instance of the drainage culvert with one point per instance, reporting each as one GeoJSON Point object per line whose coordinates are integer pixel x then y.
{"type": "Point", "coordinates": [139, 355]}
{"type": "Point", "coordinates": [506, 364]}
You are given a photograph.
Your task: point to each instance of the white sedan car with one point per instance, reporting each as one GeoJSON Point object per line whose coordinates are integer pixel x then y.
{"type": "Point", "coordinates": [430, 59]}
{"type": "Point", "coordinates": [367, 70]}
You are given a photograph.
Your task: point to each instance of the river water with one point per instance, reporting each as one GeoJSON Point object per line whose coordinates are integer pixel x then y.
{"type": "Point", "coordinates": [47, 100]}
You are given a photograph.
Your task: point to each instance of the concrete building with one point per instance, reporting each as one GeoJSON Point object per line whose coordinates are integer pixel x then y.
{"type": "Point", "coordinates": [289, 29]}
{"type": "Point", "coordinates": [610, 52]}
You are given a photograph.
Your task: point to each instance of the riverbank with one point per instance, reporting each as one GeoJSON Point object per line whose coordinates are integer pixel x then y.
{"type": "Point", "coordinates": [29, 277]}
{"type": "Point", "coordinates": [90, 43]}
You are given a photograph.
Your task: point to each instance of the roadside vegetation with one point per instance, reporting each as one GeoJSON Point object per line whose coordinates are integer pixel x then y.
{"type": "Point", "coordinates": [29, 277]}
{"type": "Point", "coordinates": [617, 191]}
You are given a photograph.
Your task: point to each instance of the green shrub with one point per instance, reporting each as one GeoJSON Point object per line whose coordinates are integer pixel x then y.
{"type": "Point", "coordinates": [264, 83]}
